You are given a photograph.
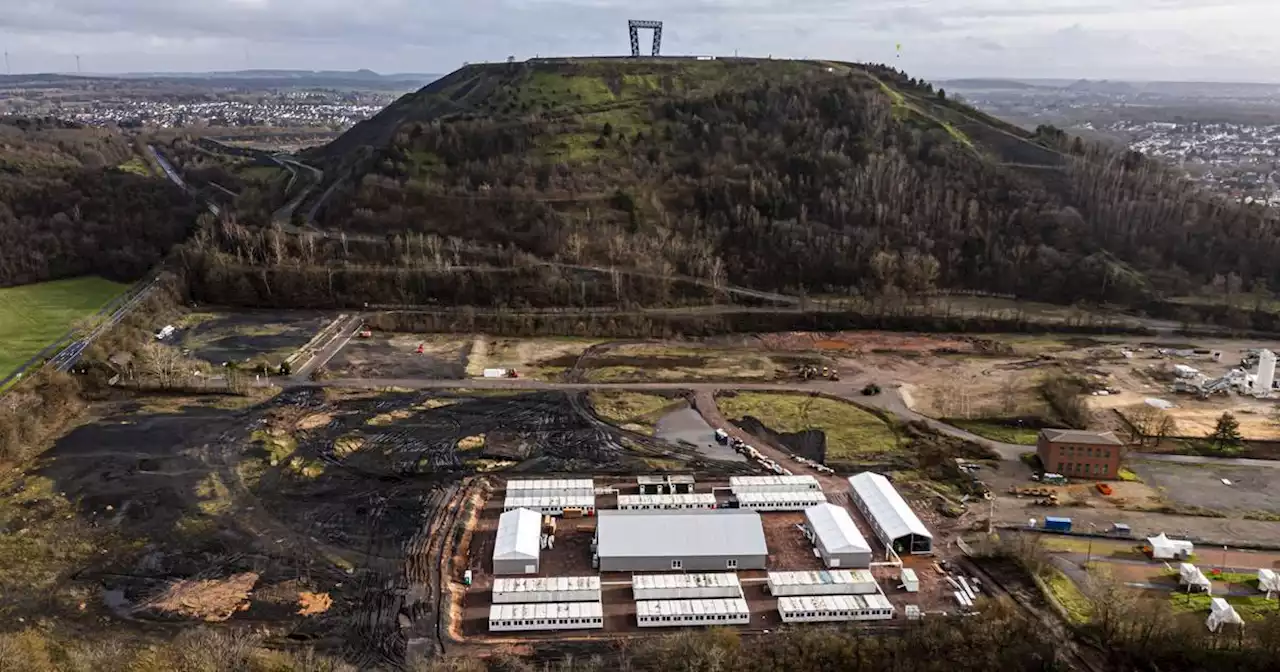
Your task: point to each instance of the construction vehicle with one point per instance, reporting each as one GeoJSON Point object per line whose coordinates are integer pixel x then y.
{"type": "Point", "coordinates": [365, 333]}
{"type": "Point", "coordinates": [871, 390]}
{"type": "Point", "coordinates": [834, 377]}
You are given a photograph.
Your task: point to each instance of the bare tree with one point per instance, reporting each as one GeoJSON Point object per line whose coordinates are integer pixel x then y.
{"type": "Point", "coordinates": [165, 363]}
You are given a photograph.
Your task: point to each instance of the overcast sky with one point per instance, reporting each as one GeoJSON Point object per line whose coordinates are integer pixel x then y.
{"type": "Point", "coordinates": [1217, 40]}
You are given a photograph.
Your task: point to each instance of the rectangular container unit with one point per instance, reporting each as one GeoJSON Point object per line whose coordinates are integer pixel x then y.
{"type": "Point", "coordinates": [742, 484]}
{"type": "Point", "coordinates": [683, 613]}
{"type": "Point", "coordinates": [551, 505]}
{"type": "Point", "coordinates": [685, 586]}
{"type": "Point", "coordinates": [832, 608]}
{"type": "Point", "coordinates": [910, 582]}
{"type": "Point", "coordinates": [702, 500]}
{"type": "Point", "coordinates": [798, 500]}
{"type": "Point", "coordinates": [823, 582]}
{"type": "Point", "coordinates": [546, 616]}
{"type": "Point", "coordinates": [546, 589]}
{"type": "Point", "coordinates": [1057, 524]}
{"type": "Point", "coordinates": [665, 484]}
{"type": "Point", "coordinates": [551, 486]}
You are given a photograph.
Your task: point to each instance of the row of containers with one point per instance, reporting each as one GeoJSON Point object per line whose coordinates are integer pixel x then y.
{"type": "Point", "coordinates": [576, 497]}
{"type": "Point", "coordinates": [675, 600]}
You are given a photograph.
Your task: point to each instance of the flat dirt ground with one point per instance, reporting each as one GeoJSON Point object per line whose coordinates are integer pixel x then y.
{"type": "Point", "coordinates": [249, 335]}
{"type": "Point", "coordinates": [1252, 489]}
{"type": "Point", "coordinates": [535, 358]}
{"type": "Point", "coordinates": [679, 362]}
{"type": "Point", "coordinates": [396, 356]}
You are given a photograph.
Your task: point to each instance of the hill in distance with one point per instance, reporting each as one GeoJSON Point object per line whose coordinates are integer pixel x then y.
{"type": "Point", "coordinates": [810, 177]}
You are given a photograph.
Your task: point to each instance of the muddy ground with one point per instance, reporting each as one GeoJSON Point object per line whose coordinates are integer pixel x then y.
{"type": "Point", "coordinates": [396, 356]}
{"type": "Point", "coordinates": [250, 335]}
{"type": "Point", "coordinates": [1252, 489]}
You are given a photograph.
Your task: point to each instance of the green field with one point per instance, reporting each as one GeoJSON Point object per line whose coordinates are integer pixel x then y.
{"type": "Point", "coordinates": [852, 433]}
{"type": "Point", "coordinates": [33, 316]}
{"type": "Point", "coordinates": [1022, 436]}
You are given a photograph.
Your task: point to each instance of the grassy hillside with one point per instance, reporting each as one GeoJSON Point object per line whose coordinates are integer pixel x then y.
{"type": "Point", "coordinates": [803, 177]}
{"type": "Point", "coordinates": [33, 316]}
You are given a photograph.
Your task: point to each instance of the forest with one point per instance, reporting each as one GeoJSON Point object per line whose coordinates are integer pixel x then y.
{"type": "Point", "coordinates": [800, 177]}
{"type": "Point", "coordinates": [69, 208]}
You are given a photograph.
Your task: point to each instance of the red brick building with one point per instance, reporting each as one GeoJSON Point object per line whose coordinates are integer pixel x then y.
{"type": "Point", "coordinates": [1076, 453]}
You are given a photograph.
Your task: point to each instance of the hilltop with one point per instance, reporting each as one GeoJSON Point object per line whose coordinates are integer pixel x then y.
{"type": "Point", "coordinates": [807, 177]}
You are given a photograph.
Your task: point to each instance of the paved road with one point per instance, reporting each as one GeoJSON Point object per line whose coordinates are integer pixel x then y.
{"type": "Point", "coordinates": [341, 336]}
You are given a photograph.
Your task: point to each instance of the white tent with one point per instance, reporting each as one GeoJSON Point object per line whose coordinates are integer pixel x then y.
{"type": "Point", "coordinates": [1268, 581]}
{"type": "Point", "coordinates": [1192, 578]}
{"type": "Point", "coordinates": [516, 548]}
{"type": "Point", "coordinates": [1164, 548]}
{"type": "Point", "coordinates": [1220, 613]}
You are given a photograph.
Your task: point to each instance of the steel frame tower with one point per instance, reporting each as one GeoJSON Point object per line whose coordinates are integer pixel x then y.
{"type": "Point", "coordinates": [634, 26]}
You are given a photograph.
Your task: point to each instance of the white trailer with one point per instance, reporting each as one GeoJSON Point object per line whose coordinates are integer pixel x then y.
{"type": "Point", "coordinates": [823, 582]}
{"type": "Point", "coordinates": [828, 608]}
{"type": "Point", "coordinates": [910, 582]}
{"type": "Point", "coordinates": [546, 589]}
{"type": "Point", "coordinates": [551, 505]}
{"type": "Point", "coordinates": [497, 373]}
{"type": "Point", "coordinates": [798, 500]}
{"type": "Point", "coordinates": [546, 616]}
{"type": "Point", "coordinates": [697, 500]}
{"type": "Point", "coordinates": [683, 613]}
{"type": "Point", "coordinates": [685, 586]}
{"type": "Point", "coordinates": [742, 484]}
{"type": "Point", "coordinates": [551, 487]}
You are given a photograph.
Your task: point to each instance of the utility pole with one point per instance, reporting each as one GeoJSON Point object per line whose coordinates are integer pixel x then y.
{"type": "Point", "coordinates": [77, 64]}
{"type": "Point", "coordinates": [7, 70]}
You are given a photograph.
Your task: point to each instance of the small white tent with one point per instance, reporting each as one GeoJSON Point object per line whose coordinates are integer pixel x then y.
{"type": "Point", "coordinates": [1268, 581]}
{"type": "Point", "coordinates": [1191, 578]}
{"type": "Point", "coordinates": [1221, 613]}
{"type": "Point", "coordinates": [1164, 548]}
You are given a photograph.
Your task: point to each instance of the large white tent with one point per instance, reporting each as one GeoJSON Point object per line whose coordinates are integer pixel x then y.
{"type": "Point", "coordinates": [1164, 548]}
{"type": "Point", "coordinates": [837, 536]}
{"type": "Point", "coordinates": [1221, 613]}
{"type": "Point", "coordinates": [518, 545]}
{"type": "Point", "coordinates": [890, 517]}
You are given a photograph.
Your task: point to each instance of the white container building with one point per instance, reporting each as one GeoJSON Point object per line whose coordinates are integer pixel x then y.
{"type": "Point", "coordinates": [742, 484]}
{"type": "Point", "coordinates": [551, 487]}
{"type": "Point", "coordinates": [551, 504]}
{"type": "Point", "coordinates": [683, 613]}
{"type": "Point", "coordinates": [546, 616]}
{"type": "Point", "coordinates": [829, 608]}
{"type": "Point", "coordinates": [546, 589]}
{"type": "Point", "coordinates": [700, 500]}
{"type": "Point", "coordinates": [685, 586]}
{"type": "Point", "coordinates": [823, 582]}
{"type": "Point", "coordinates": [892, 520]}
{"type": "Point", "coordinates": [797, 500]}
{"type": "Point", "coordinates": [836, 536]}
{"type": "Point", "coordinates": [910, 582]}
{"type": "Point", "coordinates": [516, 549]}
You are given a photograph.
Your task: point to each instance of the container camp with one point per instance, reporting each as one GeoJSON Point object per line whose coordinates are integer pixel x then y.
{"type": "Point", "coordinates": [680, 613]}
{"type": "Point", "coordinates": [742, 484]}
{"type": "Point", "coordinates": [685, 586]}
{"type": "Point", "coordinates": [894, 523]}
{"type": "Point", "coordinates": [551, 486]}
{"type": "Point", "coordinates": [657, 541]}
{"type": "Point", "coordinates": [836, 536]}
{"type": "Point", "coordinates": [665, 484]}
{"type": "Point", "coordinates": [828, 608]}
{"type": "Point", "coordinates": [701, 500]}
{"type": "Point", "coordinates": [1191, 578]}
{"type": "Point", "coordinates": [546, 616]}
{"type": "Point", "coordinates": [822, 582]}
{"type": "Point", "coordinates": [1221, 613]}
{"type": "Point", "coordinates": [516, 549]}
{"type": "Point", "coordinates": [1164, 548]}
{"type": "Point", "coordinates": [551, 504]}
{"type": "Point", "coordinates": [797, 500]}
{"type": "Point", "coordinates": [546, 589]}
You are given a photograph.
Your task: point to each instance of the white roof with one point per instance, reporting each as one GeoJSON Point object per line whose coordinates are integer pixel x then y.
{"type": "Point", "coordinates": [549, 501]}
{"type": "Point", "coordinates": [802, 496]}
{"type": "Point", "coordinates": [519, 535]}
{"type": "Point", "coordinates": [654, 500]}
{"type": "Point", "coordinates": [887, 506]}
{"type": "Point", "coordinates": [1191, 575]}
{"type": "Point", "coordinates": [804, 603]}
{"type": "Point", "coordinates": [546, 584]}
{"type": "Point", "coordinates": [1268, 580]}
{"type": "Point", "coordinates": [545, 610]}
{"type": "Point", "coordinates": [708, 607]}
{"type": "Point", "coordinates": [553, 484]}
{"type": "Point", "coordinates": [824, 577]}
{"type": "Point", "coordinates": [1220, 612]}
{"type": "Point", "coordinates": [711, 532]}
{"type": "Point", "coordinates": [835, 529]}
{"type": "Point", "coordinates": [651, 581]}
{"type": "Point", "coordinates": [736, 482]}
{"type": "Point", "coordinates": [1163, 541]}
{"type": "Point", "coordinates": [663, 479]}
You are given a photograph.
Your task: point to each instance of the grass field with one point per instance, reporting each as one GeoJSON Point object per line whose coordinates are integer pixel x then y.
{"type": "Point", "coordinates": [632, 411]}
{"type": "Point", "coordinates": [33, 316]}
{"type": "Point", "coordinates": [852, 433]}
{"type": "Point", "coordinates": [1065, 592]}
{"type": "Point", "coordinates": [1253, 608]}
{"type": "Point", "coordinates": [1022, 436]}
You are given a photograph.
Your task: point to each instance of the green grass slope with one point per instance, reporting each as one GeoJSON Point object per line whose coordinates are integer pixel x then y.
{"type": "Point", "coordinates": [34, 316]}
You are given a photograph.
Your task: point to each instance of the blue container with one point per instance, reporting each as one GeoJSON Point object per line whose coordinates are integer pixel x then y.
{"type": "Point", "coordinates": [1057, 524]}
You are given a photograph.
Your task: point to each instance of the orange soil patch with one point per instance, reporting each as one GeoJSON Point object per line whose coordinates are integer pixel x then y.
{"type": "Point", "coordinates": [311, 604]}
{"type": "Point", "coordinates": [208, 600]}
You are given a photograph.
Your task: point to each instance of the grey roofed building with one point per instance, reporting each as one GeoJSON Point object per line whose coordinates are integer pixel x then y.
{"type": "Point", "coordinates": [517, 546]}
{"type": "Point", "coordinates": [837, 537]}
{"type": "Point", "coordinates": [652, 541]}
{"type": "Point", "coordinates": [1081, 436]}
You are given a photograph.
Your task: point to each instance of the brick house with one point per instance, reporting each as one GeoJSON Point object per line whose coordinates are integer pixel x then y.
{"type": "Point", "coordinates": [1076, 453]}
